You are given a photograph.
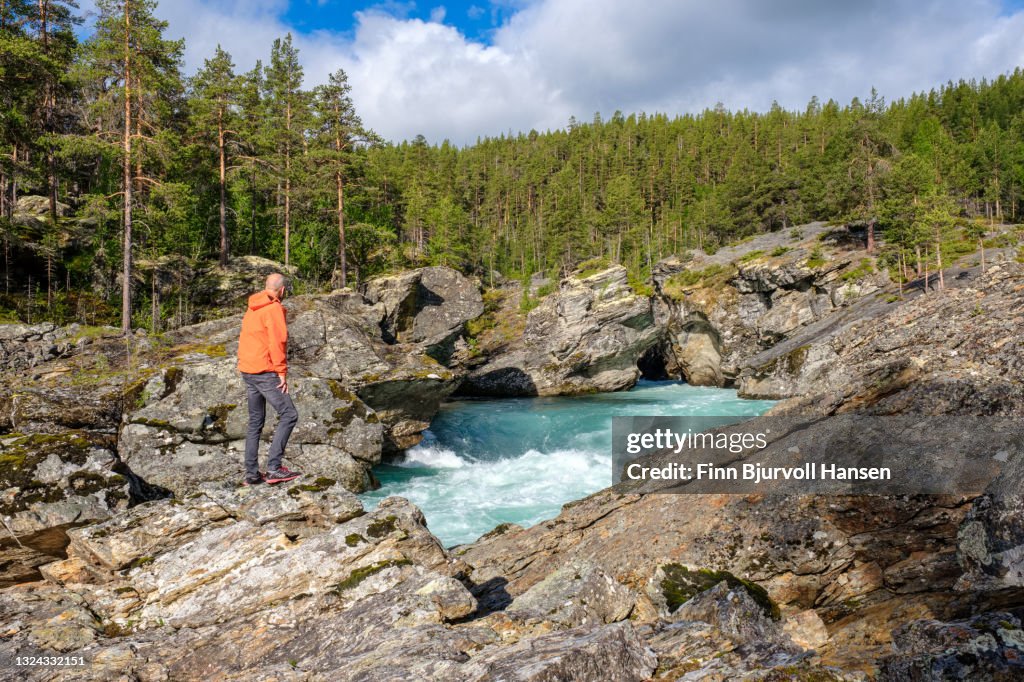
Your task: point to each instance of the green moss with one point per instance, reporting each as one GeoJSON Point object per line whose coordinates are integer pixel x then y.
{"type": "Point", "coordinates": [353, 539]}
{"type": "Point", "coordinates": [339, 391]}
{"type": "Point", "coordinates": [155, 423]}
{"type": "Point", "coordinates": [381, 527]}
{"type": "Point", "coordinates": [134, 391]}
{"type": "Point", "coordinates": [479, 325]}
{"type": "Point", "coordinates": [172, 375]}
{"type": "Point", "coordinates": [816, 259]}
{"type": "Point", "coordinates": [39, 440]}
{"type": "Point", "coordinates": [343, 415]}
{"type": "Point", "coordinates": [20, 456]}
{"type": "Point", "coordinates": [682, 584]}
{"type": "Point", "coordinates": [545, 290]}
{"type": "Point", "coordinates": [591, 267]}
{"type": "Point", "coordinates": [676, 286]}
{"type": "Point", "coordinates": [220, 413]}
{"type": "Point", "coordinates": [91, 332]}
{"type": "Point", "coordinates": [31, 492]}
{"type": "Point", "coordinates": [751, 255]}
{"type": "Point", "coordinates": [112, 629]}
{"type": "Point", "coordinates": [360, 574]}
{"type": "Point", "coordinates": [795, 359]}
{"type": "Point", "coordinates": [87, 482]}
{"type": "Point", "coordinates": [640, 285]}
{"type": "Point", "coordinates": [487, 322]}
{"type": "Point", "coordinates": [780, 251]}
{"type": "Point", "coordinates": [500, 529]}
{"type": "Point", "coordinates": [318, 486]}
{"type": "Point", "coordinates": [213, 350]}
{"type": "Point", "coordinates": [13, 458]}
{"type": "Point", "coordinates": [865, 268]}
{"type": "Point", "coordinates": [140, 561]}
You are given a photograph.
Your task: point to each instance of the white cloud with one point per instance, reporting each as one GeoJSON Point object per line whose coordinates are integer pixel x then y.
{"type": "Point", "coordinates": [684, 56]}
{"type": "Point", "coordinates": [557, 58]}
{"type": "Point", "coordinates": [411, 77]}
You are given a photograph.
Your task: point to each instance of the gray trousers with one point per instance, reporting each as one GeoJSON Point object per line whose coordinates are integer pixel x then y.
{"type": "Point", "coordinates": [261, 389]}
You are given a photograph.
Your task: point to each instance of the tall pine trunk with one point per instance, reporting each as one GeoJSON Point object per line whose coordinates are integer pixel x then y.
{"type": "Point", "coordinates": [223, 193]}
{"type": "Point", "coordinates": [126, 179]}
{"type": "Point", "coordinates": [48, 97]}
{"type": "Point", "coordinates": [341, 231]}
{"type": "Point", "coordinates": [12, 186]}
{"type": "Point", "coordinates": [287, 184]}
{"type": "Point", "coordinates": [341, 207]}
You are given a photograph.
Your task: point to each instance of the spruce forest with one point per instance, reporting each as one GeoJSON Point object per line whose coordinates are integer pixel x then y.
{"type": "Point", "coordinates": [116, 167]}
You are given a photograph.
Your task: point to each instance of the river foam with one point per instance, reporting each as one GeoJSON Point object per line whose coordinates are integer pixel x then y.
{"type": "Point", "coordinates": [518, 460]}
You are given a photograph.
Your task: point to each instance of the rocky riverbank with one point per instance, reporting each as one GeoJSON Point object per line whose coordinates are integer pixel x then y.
{"type": "Point", "coordinates": [128, 541]}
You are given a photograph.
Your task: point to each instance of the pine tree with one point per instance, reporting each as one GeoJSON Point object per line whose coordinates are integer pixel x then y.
{"type": "Point", "coordinates": [215, 97]}
{"type": "Point", "coordinates": [128, 47]}
{"type": "Point", "coordinates": [55, 24]}
{"type": "Point", "coordinates": [254, 151]}
{"type": "Point", "coordinates": [22, 69]}
{"type": "Point", "coordinates": [339, 129]}
{"type": "Point", "coordinates": [286, 115]}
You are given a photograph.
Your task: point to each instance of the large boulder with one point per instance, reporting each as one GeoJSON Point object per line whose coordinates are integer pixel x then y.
{"type": "Point", "coordinates": [175, 405]}
{"type": "Point", "coordinates": [359, 393]}
{"type": "Point", "coordinates": [49, 484]}
{"type": "Point", "coordinates": [610, 652]}
{"type": "Point", "coordinates": [956, 351]}
{"type": "Point", "coordinates": [586, 337]}
{"type": "Point", "coordinates": [28, 345]}
{"type": "Point", "coordinates": [193, 417]}
{"type": "Point", "coordinates": [985, 647]}
{"type": "Point", "coordinates": [428, 307]}
{"type": "Point", "coordinates": [578, 593]}
{"type": "Point", "coordinates": [725, 314]}
{"type": "Point", "coordinates": [991, 539]}
{"type": "Point", "coordinates": [223, 286]}
{"type": "Point", "coordinates": [293, 577]}
{"type": "Point", "coordinates": [864, 563]}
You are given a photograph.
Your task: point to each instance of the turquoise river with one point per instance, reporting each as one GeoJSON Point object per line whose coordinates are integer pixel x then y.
{"type": "Point", "coordinates": [518, 460]}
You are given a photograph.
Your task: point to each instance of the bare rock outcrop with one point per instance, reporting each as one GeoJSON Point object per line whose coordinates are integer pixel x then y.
{"type": "Point", "coordinates": [588, 336]}
{"type": "Point", "coordinates": [719, 311]}
{"type": "Point", "coordinates": [92, 422]}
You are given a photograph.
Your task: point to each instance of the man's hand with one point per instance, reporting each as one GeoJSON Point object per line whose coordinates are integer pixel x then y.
{"type": "Point", "coordinates": [283, 383]}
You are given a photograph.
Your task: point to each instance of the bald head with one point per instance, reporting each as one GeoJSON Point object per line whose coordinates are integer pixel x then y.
{"type": "Point", "coordinates": [276, 284]}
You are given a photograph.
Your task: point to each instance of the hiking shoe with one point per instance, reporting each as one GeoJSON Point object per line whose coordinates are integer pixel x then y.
{"type": "Point", "coordinates": [282, 475]}
{"type": "Point", "coordinates": [254, 481]}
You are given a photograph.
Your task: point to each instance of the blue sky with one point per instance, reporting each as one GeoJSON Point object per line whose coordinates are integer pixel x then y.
{"type": "Point", "coordinates": [460, 70]}
{"type": "Point", "coordinates": [476, 20]}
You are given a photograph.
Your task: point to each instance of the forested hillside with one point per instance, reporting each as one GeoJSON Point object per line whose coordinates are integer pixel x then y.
{"type": "Point", "coordinates": [108, 149]}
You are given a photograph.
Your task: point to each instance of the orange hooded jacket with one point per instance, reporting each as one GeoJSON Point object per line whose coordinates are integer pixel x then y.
{"type": "Point", "coordinates": [263, 343]}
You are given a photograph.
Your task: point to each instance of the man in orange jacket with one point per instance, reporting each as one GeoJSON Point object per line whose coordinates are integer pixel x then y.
{"type": "Point", "coordinates": [263, 362]}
